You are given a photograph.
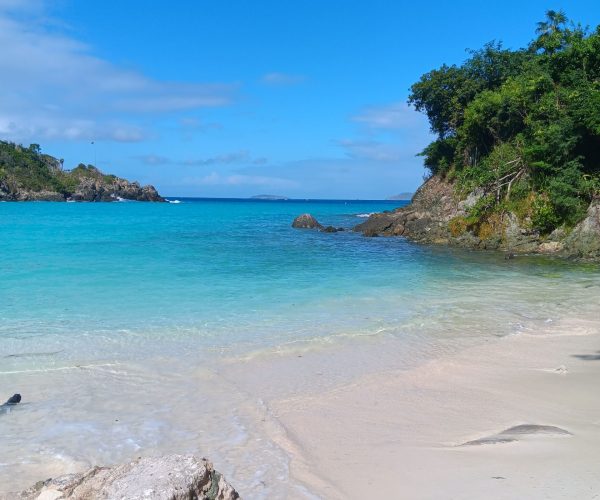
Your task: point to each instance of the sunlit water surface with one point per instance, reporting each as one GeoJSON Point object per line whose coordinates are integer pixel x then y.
{"type": "Point", "coordinates": [119, 323]}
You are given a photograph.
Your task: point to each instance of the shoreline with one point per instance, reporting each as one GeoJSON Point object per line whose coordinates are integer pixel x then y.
{"type": "Point", "coordinates": [397, 432]}
{"type": "Point", "coordinates": [401, 433]}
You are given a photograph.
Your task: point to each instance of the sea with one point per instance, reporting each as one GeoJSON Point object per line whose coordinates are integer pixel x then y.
{"type": "Point", "coordinates": [137, 329]}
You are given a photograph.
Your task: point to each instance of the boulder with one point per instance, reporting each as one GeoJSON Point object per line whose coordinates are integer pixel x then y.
{"type": "Point", "coordinates": [171, 477]}
{"type": "Point", "coordinates": [331, 229]}
{"type": "Point", "coordinates": [584, 240]}
{"type": "Point", "coordinates": [306, 221]}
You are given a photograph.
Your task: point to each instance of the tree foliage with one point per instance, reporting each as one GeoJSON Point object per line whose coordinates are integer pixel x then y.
{"type": "Point", "coordinates": [521, 124]}
{"type": "Point", "coordinates": [29, 169]}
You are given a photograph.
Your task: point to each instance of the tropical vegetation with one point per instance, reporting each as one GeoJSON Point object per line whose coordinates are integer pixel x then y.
{"type": "Point", "coordinates": [521, 127]}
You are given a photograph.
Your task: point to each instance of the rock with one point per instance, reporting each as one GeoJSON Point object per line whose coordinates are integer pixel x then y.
{"type": "Point", "coordinates": [436, 216]}
{"type": "Point", "coordinates": [331, 229]}
{"type": "Point", "coordinates": [13, 400]}
{"type": "Point", "coordinates": [584, 240]}
{"type": "Point", "coordinates": [171, 477]}
{"type": "Point", "coordinates": [472, 199]}
{"type": "Point", "coordinates": [425, 220]}
{"type": "Point", "coordinates": [518, 238]}
{"type": "Point", "coordinates": [550, 247]}
{"type": "Point", "coordinates": [98, 189]}
{"type": "Point", "coordinates": [306, 221]}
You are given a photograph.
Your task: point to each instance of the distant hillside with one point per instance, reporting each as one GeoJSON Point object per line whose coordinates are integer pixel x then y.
{"type": "Point", "coordinates": [26, 174]}
{"type": "Point", "coordinates": [268, 197]}
{"type": "Point", "coordinates": [400, 197]}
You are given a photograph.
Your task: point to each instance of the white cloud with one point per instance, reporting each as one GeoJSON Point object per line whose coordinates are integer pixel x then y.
{"type": "Point", "coordinates": [53, 86]}
{"type": "Point", "coordinates": [236, 157]}
{"type": "Point", "coordinates": [216, 179]}
{"type": "Point", "coordinates": [281, 79]}
{"type": "Point", "coordinates": [373, 150]}
{"type": "Point", "coordinates": [152, 159]}
{"type": "Point", "coordinates": [392, 116]}
{"type": "Point", "coordinates": [48, 126]}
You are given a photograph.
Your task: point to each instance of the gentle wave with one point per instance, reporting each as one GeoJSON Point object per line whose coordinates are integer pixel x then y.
{"type": "Point", "coordinates": [364, 216]}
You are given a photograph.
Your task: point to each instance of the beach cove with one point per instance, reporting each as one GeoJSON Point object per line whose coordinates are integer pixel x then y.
{"type": "Point", "coordinates": [303, 364]}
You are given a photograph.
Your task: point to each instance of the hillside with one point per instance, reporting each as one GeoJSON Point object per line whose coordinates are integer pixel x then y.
{"type": "Point", "coordinates": [518, 143]}
{"type": "Point", "coordinates": [26, 174]}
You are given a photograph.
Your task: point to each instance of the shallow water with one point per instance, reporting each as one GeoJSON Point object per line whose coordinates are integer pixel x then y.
{"type": "Point", "coordinates": [126, 326]}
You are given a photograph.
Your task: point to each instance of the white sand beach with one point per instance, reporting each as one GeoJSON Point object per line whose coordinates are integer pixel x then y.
{"type": "Point", "coordinates": [529, 401]}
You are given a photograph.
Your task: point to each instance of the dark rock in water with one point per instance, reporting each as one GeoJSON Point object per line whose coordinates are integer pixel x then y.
{"type": "Point", "coordinates": [172, 477]}
{"type": "Point", "coordinates": [509, 256]}
{"type": "Point", "coordinates": [331, 229]}
{"type": "Point", "coordinates": [13, 400]}
{"type": "Point", "coordinates": [370, 233]}
{"type": "Point", "coordinates": [306, 221]}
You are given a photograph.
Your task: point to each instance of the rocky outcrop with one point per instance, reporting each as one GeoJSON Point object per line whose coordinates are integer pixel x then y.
{"type": "Point", "coordinates": [172, 477]}
{"type": "Point", "coordinates": [306, 221]}
{"type": "Point", "coordinates": [332, 229]}
{"type": "Point", "coordinates": [437, 216]}
{"type": "Point", "coordinates": [95, 189]}
{"type": "Point", "coordinates": [87, 190]}
{"type": "Point", "coordinates": [425, 220]}
{"type": "Point", "coordinates": [28, 175]}
{"type": "Point", "coordinates": [584, 240]}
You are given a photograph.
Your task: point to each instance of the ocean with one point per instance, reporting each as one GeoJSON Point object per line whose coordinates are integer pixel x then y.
{"type": "Point", "coordinates": [137, 328]}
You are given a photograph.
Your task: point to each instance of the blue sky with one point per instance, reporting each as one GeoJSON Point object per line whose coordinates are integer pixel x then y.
{"type": "Point", "coordinates": [237, 97]}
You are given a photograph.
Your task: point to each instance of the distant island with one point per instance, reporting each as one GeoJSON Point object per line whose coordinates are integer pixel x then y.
{"type": "Point", "coordinates": [26, 174]}
{"type": "Point", "coordinates": [268, 197]}
{"type": "Point", "coordinates": [400, 197]}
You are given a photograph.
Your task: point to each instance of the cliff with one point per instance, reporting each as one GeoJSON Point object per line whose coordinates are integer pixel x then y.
{"type": "Point", "coordinates": [28, 175]}
{"type": "Point", "coordinates": [439, 215]}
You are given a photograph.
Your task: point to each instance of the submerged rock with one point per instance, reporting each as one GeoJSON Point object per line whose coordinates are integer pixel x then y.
{"type": "Point", "coordinates": [306, 221]}
{"type": "Point", "coordinates": [331, 229]}
{"type": "Point", "coordinates": [171, 477]}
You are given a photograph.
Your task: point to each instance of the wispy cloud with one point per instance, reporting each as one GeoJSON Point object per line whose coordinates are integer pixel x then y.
{"type": "Point", "coordinates": [153, 160]}
{"type": "Point", "coordinates": [216, 179]}
{"type": "Point", "coordinates": [233, 158]}
{"type": "Point", "coordinates": [374, 150]}
{"type": "Point", "coordinates": [396, 115]}
{"type": "Point", "coordinates": [282, 79]}
{"type": "Point", "coordinates": [229, 158]}
{"type": "Point", "coordinates": [53, 86]}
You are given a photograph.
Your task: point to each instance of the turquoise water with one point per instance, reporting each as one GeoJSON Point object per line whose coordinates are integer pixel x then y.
{"type": "Point", "coordinates": [136, 310]}
{"type": "Point", "coordinates": [227, 273]}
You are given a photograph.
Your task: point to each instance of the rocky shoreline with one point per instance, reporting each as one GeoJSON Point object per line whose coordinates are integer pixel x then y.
{"type": "Point", "coordinates": [27, 174]}
{"type": "Point", "coordinates": [437, 216]}
{"type": "Point", "coordinates": [89, 188]}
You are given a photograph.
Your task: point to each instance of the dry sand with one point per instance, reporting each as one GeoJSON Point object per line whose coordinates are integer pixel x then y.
{"type": "Point", "coordinates": [401, 434]}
